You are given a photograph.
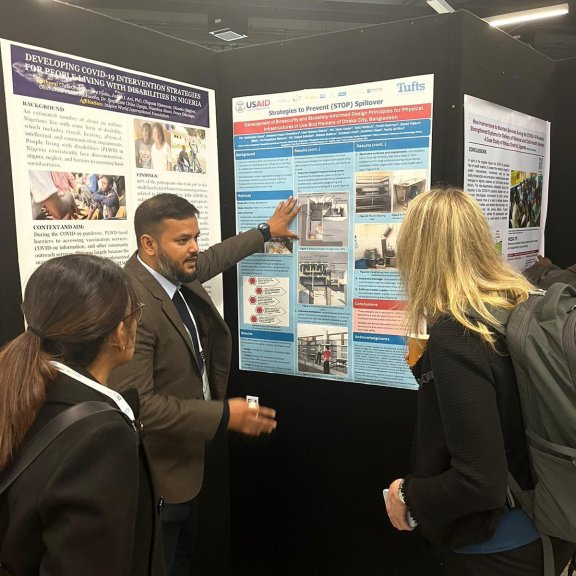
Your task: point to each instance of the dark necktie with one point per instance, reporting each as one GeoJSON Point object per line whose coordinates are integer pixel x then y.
{"type": "Point", "coordinates": [180, 305]}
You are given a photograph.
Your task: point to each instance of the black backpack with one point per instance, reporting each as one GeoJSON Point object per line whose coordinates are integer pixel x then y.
{"type": "Point", "coordinates": [541, 338]}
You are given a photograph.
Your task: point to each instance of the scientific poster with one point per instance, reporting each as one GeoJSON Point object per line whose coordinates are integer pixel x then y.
{"type": "Point", "coordinates": [329, 305]}
{"type": "Point", "coordinates": [90, 141]}
{"type": "Point", "coordinates": [506, 167]}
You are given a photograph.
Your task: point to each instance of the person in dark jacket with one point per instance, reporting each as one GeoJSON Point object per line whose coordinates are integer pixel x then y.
{"type": "Point", "coordinates": [469, 431]}
{"type": "Point", "coordinates": [86, 505]}
{"type": "Point", "coordinates": [106, 196]}
{"type": "Point", "coordinates": [183, 354]}
{"type": "Point", "coordinates": [543, 273]}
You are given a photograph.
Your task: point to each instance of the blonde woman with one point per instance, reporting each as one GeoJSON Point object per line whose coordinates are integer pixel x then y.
{"type": "Point", "coordinates": [469, 431]}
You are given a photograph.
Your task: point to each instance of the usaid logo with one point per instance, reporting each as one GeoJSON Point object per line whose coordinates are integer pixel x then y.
{"type": "Point", "coordinates": [241, 106]}
{"type": "Point", "coordinates": [257, 104]}
{"type": "Point", "coordinates": [414, 86]}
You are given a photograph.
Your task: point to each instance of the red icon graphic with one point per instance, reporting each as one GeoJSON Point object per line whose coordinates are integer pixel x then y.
{"type": "Point", "coordinates": [252, 281]}
{"type": "Point", "coordinates": [259, 309]}
{"type": "Point", "coordinates": [258, 290]}
{"type": "Point", "coordinates": [252, 299]}
{"type": "Point", "coordinates": [254, 319]}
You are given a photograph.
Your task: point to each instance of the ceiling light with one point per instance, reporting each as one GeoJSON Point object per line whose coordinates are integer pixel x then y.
{"type": "Point", "coordinates": [441, 6]}
{"type": "Point", "coordinates": [228, 28]}
{"type": "Point", "coordinates": [228, 35]}
{"type": "Point", "coordinates": [528, 15]}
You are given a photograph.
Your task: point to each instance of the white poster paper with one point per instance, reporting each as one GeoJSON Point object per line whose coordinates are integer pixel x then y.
{"type": "Point", "coordinates": [89, 142]}
{"type": "Point", "coordinates": [506, 166]}
{"type": "Point", "coordinates": [330, 304]}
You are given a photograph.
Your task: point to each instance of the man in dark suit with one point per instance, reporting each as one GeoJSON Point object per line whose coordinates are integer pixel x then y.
{"type": "Point", "coordinates": [543, 273]}
{"type": "Point", "coordinates": [183, 353]}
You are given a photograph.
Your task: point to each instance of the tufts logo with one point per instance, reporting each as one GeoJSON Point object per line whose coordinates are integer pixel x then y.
{"type": "Point", "coordinates": [239, 106]}
{"type": "Point", "coordinates": [415, 86]}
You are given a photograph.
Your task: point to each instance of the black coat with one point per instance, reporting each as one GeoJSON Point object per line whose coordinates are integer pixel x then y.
{"type": "Point", "coordinates": [86, 506]}
{"type": "Point", "coordinates": [469, 433]}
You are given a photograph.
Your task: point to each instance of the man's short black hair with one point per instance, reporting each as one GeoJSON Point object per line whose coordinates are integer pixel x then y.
{"type": "Point", "coordinates": [155, 210]}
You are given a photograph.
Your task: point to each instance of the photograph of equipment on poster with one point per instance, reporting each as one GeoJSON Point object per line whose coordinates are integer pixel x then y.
{"type": "Point", "coordinates": [90, 141]}
{"type": "Point", "coordinates": [330, 303]}
{"type": "Point", "coordinates": [506, 165]}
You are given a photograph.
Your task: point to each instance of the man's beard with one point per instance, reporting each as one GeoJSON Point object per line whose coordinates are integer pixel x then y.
{"type": "Point", "coordinates": [170, 271]}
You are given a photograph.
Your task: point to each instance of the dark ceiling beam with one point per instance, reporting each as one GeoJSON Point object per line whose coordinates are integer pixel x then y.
{"type": "Point", "coordinates": [354, 12]}
{"type": "Point", "coordinates": [282, 16]}
{"type": "Point", "coordinates": [285, 9]}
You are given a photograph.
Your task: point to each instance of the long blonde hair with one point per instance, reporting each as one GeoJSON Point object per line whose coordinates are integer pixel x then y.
{"type": "Point", "coordinates": [449, 263]}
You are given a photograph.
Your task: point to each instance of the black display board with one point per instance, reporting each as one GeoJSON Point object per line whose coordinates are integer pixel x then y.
{"type": "Point", "coordinates": [86, 34]}
{"type": "Point", "coordinates": [89, 35]}
{"type": "Point", "coordinates": [560, 226]}
{"type": "Point", "coordinates": [308, 500]}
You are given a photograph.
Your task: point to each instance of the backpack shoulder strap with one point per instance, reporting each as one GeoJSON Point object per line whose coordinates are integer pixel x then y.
{"type": "Point", "coordinates": [501, 316]}
{"type": "Point", "coordinates": [46, 435]}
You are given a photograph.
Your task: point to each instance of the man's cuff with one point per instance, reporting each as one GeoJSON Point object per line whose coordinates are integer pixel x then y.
{"type": "Point", "coordinates": [225, 417]}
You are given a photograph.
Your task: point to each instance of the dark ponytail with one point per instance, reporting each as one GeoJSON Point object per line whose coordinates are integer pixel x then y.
{"type": "Point", "coordinates": [72, 304]}
{"type": "Point", "coordinates": [24, 370]}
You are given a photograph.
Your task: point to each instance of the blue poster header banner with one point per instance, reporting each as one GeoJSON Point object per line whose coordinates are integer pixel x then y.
{"type": "Point", "coordinates": [264, 195]}
{"type": "Point", "coordinates": [368, 338]}
{"type": "Point", "coordinates": [324, 149]}
{"type": "Point", "coordinates": [57, 78]}
{"type": "Point", "coordinates": [264, 335]}
{"type": "Point", "coordinates": [267, 153]}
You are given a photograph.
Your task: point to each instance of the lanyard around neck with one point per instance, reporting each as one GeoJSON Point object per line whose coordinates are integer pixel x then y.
{"type": "Point", "coordinates": [118, 399]}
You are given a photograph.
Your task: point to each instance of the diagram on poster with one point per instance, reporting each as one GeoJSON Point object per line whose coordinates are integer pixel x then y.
{"type": "Point", "coordinates": [354, 156]}
{"type": "Point", "coordinates": [266, 301]}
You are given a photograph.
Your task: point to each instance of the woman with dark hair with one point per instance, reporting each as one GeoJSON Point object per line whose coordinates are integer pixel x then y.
{"type": "Point", "coordinates": [85, 506]}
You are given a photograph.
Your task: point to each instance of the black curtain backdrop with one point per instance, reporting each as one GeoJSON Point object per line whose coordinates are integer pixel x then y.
{"type": "Point", "coordinates": [81, 33]}
{"type": "Point", "coordinates": [560, 227]}
{"type": "Point", "coordinates": [311, 495]}
{"type": "Point", "coordinates": [85, 34]}
{"type": "Point", "coordinates": [308, 500]}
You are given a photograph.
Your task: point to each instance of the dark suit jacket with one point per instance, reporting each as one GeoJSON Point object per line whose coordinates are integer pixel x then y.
{"type": "Point", "coordinates": [86, 505]}
{"type": "Point", "coordinates": [544, 275]}
{"type": "Point", "coordinates": [177, 420]}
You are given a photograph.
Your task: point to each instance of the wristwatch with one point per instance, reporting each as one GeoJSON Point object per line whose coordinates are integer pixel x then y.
{"type": "Point", "coordinates": [401, 492]}
{"type": "Point", "coordinates": [265, 229]}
